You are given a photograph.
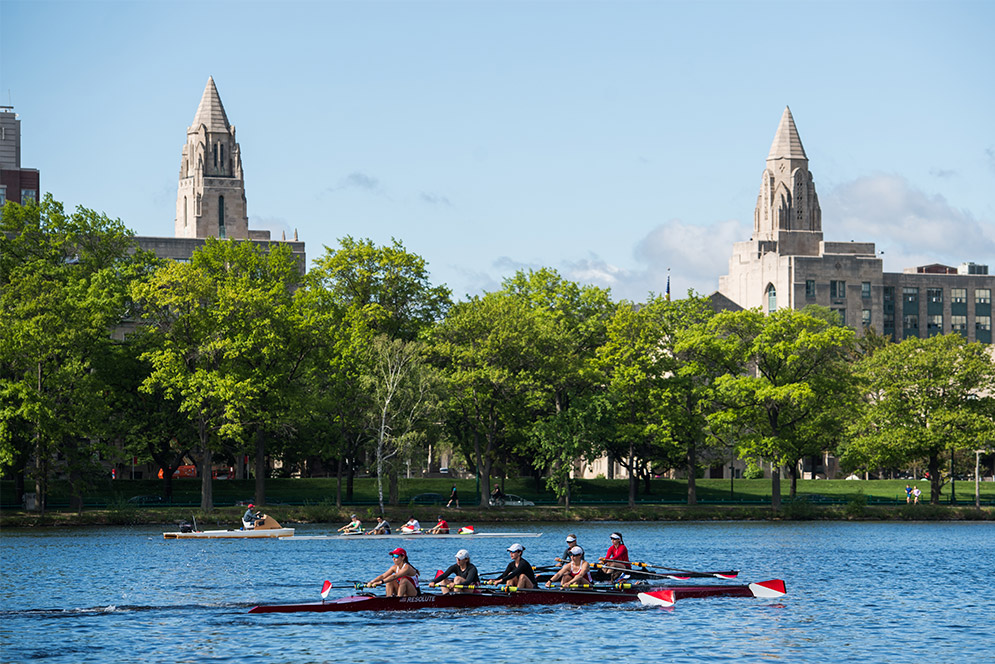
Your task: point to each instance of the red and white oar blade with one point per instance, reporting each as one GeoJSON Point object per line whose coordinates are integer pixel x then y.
{"type": "Point", "coordinates": [438, 573]}
{"type": "Point", "coordinates": [772, 588]}
{"type": "Point", "coordinates": [325, 587]}
{"type": "Point", "coordinates": [678, 578]}
{"type": "Point", "coordinates": [658, 598]}
{"type": "Point", "coordinates": [730, 575]}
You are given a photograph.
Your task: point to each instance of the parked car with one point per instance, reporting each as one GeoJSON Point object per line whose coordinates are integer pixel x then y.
{"type": "Point", "coordinates": [511, 500]}
{"type": "Point", "coordinates": [429, 499]}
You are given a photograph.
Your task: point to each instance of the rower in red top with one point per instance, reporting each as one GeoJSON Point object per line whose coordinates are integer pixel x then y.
{"type": "Point", "coordinates": [400, 579]}
{"type": "Point", "coordinates": [519, 572]}
{"type": "Point", "coordinates": [616, 561]}
{"type": "Point", "coordinates": [441, 528]}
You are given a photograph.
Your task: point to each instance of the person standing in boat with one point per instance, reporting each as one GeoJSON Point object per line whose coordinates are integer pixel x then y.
{"type": "Point", "coordinates": [441, 528]}
{"type": "Point", "coordinates": [519, 572]}
{"type": "Point", "coordinates": [464, 574]}
{"type": "Point", "coordinates": [571, 543]}
{"type": "Point", "coordinates": [400, 579]}
{"type": "Point", "coordinates": [412, 526]}
{"type": "Point", "coordinates": [354, 526]}
{"type": "Point", "coordinates": [453, 498]}
{"type": "Point", "coordinates": [249, 518]}
{"type": "Point", "coordinates": [576, 572]}
{"type": "Point", "coordinates": [616, 561]}
{"type": "Point", "coordinates": [382, 527]}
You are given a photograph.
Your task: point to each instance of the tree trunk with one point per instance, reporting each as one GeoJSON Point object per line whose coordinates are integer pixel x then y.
{"type": "Point", "coordinates": [775, 487]}
{"type": "Point", "coordinates": [338, 483]}
{"type": "Point", "coordinates": [935, 486]}
{"type": "Point", "coordinates": [206, 479]}
{"type": "Point", "coordinates": [691, 465]}
{"type": "Point", "coordinates": [260, 467]}
{"type": "Point", "coordinates": [632, 476]}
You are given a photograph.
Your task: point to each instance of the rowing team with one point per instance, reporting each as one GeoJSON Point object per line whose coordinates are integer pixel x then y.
{"type": "Point", "coordinates": [402, 578]}
{"type": "Point", "coordinates": [383, 527]}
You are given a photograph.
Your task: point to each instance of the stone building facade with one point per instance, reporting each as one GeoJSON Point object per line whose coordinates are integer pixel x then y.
{"type": "Point", "coordinates": [788, 263]}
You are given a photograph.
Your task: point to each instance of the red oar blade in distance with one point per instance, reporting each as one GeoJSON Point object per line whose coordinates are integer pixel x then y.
{"type": "Point", "coordinates": [658, 598]}
{"type": "Point", "coordinates": [726, 575]}
{"type": "Point", "coordinates": [772, 588]}
{"type": "Point", "coordinates": [325, 587]}
{"type": "Point", "coordinates": [438, 573]}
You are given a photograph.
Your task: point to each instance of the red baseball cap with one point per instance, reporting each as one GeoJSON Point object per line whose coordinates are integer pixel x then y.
{"type": "Point", "coordinates": [399, 552]}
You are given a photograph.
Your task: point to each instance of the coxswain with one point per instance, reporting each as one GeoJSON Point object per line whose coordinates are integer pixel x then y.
{"type": "Point", "coordinates": [382, 527]}
{"type": "Point", "coordinates": [354, 526]}
{"type": "Point", "coordinates": [250, 517]}
{"type": "Point", "coordinates": [576, 572]}
{"type": "Point", "coordinates": [571, 543]}
{"type": "Point", "coordinates": [519, 572]}
{"type": "Point", "coordinates": [400, 579]}
{"type": "Point", "coordinates": [412, 526]}
{"type": "Point", "coordinates": [616, 561]}
{"type": "Point", "coordinates": [464, 574]}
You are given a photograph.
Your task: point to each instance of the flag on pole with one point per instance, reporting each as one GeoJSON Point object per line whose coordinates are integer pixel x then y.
{"type": "Point", "coordinates": [668, 285]}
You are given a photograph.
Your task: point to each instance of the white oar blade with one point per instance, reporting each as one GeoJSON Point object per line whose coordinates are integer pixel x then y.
{"type": "Point", "coordinates": [658, 598]}
{"type": "Point", "coordinates": [766, 589]}
{"type": "Point", "coordinates": [325, 588]}
{"type": "Point", "coordinates": [726, 576]}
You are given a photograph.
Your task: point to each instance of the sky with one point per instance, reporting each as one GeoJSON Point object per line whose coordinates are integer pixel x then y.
{"type": "Point", "coordinates": [611, 141]}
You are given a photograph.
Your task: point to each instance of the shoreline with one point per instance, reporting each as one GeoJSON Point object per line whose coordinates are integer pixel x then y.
{"type": "Point", "coordinates": [317, 514]}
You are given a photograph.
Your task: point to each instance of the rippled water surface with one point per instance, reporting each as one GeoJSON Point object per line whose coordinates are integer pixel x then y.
{"type": "Point", "coordinates": [867, 592]}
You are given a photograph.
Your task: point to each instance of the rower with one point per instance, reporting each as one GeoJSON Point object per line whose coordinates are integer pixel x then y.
{"type": "Point", "coordinates": [249, 518]}
{"type": "Point", "coordinates": [354, 526]}
{"type": "Point", "coordinates": [412, 526]}
{"type": "Point", "coordinates": [575, 572]}
{"type": "Point", "coordinates": [465, 574]}
{"type": "Point", "coordinates": [616, 560]}
{"type": "Point", "coordinates": [400, 579]}
{"type": "Point", "coordinates": [441, 528]}
{"type": "Point", "coordinates": [571, 543]}
{"type": "Point", "coordinates": [382, 527]}
{"type": "Point", "coordinates": [518, 573]}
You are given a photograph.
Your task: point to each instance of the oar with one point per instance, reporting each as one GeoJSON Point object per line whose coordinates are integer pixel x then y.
{"type": "Point", "coordinates": [731, 574]}
{"type": "Point", "coordinates": [676, 577]}
{"type": "Point", "coordinates": [535, 568]}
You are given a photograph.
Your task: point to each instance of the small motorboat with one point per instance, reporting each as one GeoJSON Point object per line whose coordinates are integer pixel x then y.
{"type": "Point", "coordinates": [263, 527]}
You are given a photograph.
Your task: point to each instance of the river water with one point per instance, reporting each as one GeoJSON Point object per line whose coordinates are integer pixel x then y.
{"type": "Point", "coordinates": [857, 592]}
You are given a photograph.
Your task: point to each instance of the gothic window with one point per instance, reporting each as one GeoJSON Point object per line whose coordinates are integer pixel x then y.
{"type": "Point", "coordinates": [214, 152]}
{"type": "Point", "coordinates": [771, 298]}
{"type": "Point", "coordinates": [221, 217]}
{"type": "Point", "coordinates": [221, 155]}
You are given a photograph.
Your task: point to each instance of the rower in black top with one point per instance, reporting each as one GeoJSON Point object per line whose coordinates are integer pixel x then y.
{"type": "Point", "coordinates": [464, 572]}
{"type": "Point", "coordinates": [519, 572]}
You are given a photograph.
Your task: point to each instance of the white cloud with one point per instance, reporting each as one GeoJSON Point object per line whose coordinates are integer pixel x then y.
{"type": "Point", "coordinates": [910, 226]}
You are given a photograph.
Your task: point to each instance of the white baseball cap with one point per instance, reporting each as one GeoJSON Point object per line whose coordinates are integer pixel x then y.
{"type": "Point", "coordinates": [576, 551]}
{"type": "Point", "coordinates": [462, 554]}
{"type": "Point", "coordinates": [516, 547]}
{"type": "Point", "coordinates": [571, 538]}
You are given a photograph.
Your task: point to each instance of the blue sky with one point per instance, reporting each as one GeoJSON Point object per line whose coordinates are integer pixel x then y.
{"type": "Point", "coordinates": [608, 140]}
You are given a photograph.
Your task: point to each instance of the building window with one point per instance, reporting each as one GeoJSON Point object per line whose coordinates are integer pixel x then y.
{"type": "Point", "coordinates": [982, 296]}
{"type": "Point", "coordinates": [958, 295]}
{"type": "Point", "coordinates": [842, 314]}
{"type": "Point", "coordinates": [810, 288]}
{"type": "Point", "coordinates": [934, 294]}
{"type": "Point", "coordinates": [865, 290]}
{"type": "Point", "coordinates": [934, 324]}
{"type": "Point", "coordinates": [771, 298]}
{"type": "Point", "coordinates": [865, 317]}
{"type": "Point", "coordinates": [983, 323]}
{"type": "Point", "coordinates": [184, 212]}
{"type": "Point", "coordinates": [910, 322]}
{"type": "Point", "coordinates": [959, 324]}
{"type": "Point", "coordinates": [221, 217]}
{"type": "Point", "coordinates": [837, 289]}
{"type": "Point", "coordinates": [28, 195]}
{"type": "Point", "coordinates": [910, 294]}
{"type": "Point", "coordinates": [3, 195]}
{"type": "Point", "coordinates": [889, 293]}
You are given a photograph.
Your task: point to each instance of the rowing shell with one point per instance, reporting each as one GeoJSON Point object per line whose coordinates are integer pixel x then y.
{"type": "Point", "coordinates": [421, 535]}
{"type": "Point", "coordinates": [515, 598]}
{"type": "Point", "coordinates": [668, 596]}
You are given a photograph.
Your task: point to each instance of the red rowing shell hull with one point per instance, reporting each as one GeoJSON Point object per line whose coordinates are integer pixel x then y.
{"type": "Point", "coordinates": [519, 598]}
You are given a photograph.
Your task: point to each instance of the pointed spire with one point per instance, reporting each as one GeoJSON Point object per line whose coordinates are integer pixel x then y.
{"type": "Point", "coordinates": [787, 144]}
{"type": "Point", "coordinates": [211, 113]}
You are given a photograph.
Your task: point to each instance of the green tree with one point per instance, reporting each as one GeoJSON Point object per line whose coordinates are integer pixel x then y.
{"type": "Point", "coordinates": [796, 375]}
{"type": "Point", "coordinates": [63, 287]}
{"type": "Point", "coordinates": [922, 398]}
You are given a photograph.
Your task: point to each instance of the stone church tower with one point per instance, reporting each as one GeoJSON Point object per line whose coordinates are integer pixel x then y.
{"type": "Point", "coordinates": [210, 200]}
